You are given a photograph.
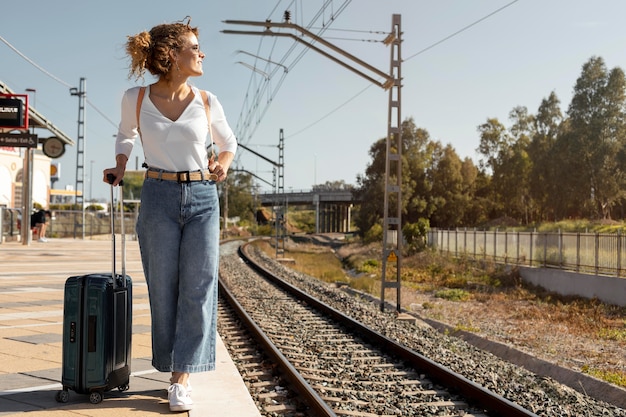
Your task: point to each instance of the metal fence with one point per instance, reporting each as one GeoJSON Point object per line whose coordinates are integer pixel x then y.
{"type": "Point", "coordinates": [590, 253]}
{"type": "Point", "coordinates": [69, 224]}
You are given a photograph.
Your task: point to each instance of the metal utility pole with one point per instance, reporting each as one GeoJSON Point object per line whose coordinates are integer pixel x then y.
{"type": "Point", "coordinates": [279, 189]}
{"type": "Point", "coordinates": [392, 233]}
{"type": "Point", "coordinates": [79, 188]}
{"type": "Point", "coordinates": [281, 206]}
{"type": "Point", "coordinates": [392, 222]}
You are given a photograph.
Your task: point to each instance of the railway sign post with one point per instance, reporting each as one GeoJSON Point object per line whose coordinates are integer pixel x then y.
{"type": "Point", "coordinates": [18, 140]}
{"type": "Point", "coordinates": [14, 116]}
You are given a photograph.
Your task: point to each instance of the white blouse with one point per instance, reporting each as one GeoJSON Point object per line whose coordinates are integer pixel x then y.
{"type": "Point", "coordinates": [179, 145]}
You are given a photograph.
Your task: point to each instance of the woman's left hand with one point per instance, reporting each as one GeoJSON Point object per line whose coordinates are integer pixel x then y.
{"type": "Point", "coordinates": [216, 168]}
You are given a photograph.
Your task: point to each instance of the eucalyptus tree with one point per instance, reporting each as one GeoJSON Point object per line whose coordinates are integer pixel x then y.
{"type": "Point", "coordinates": [448, 188]}
{"type": "Point", "coordinates": [544, 180]}
{"type": "Point", "coordinates": [370, 189]}
{"type": "Point", "coordinates": [515, 179]}
{"type": "Point", "coordinates": [495, 144]}
{"type": "Point", "coordinates": [597, 136]}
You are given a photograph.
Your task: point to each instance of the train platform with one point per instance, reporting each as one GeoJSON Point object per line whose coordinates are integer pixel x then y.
{"type": "Point", "coordinates": [32, 279]}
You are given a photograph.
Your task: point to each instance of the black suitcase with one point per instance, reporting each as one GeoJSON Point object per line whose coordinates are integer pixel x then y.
{"type": "Point", "coordinates": [97, 328]}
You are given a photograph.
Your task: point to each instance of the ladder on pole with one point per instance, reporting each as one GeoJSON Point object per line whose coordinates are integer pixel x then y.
{"type": "Point", "coordinates": [392, 224]}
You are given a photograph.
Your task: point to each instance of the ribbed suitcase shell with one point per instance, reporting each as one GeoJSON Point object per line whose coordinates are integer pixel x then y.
{"type": "Point", "coordinates": [97, 332]}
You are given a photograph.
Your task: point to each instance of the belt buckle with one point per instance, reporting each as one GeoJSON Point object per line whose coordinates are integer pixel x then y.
{"type": "Point", "coordinates": [181, 175]}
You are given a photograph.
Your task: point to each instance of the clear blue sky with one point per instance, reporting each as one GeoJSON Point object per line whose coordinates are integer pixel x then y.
{"type": "Point", "coordinates": [514, 57]}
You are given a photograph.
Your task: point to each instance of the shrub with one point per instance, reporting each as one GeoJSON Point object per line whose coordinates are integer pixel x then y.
{"type": "Point", "coordinates": [453, 294]}
{"type": "Point", "coordinates": [415, 235]}
{"type": "Point", "coordinates": [375, 234]}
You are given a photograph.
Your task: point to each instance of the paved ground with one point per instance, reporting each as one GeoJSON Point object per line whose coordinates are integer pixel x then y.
{"type": "Point", "coordinates": [32, 278]}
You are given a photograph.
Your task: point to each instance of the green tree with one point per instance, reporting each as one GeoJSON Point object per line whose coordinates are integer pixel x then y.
{"type": "Point", "coordinates": [339, 185]}
{"type": "Point", "coordinates": [494, 142]}
{"type": "Point", "coordinates": [415, 235]}
{"type": "Point", "coordinates": [476, 205]}
{"type": "Point", "coordinates": [417, 156]}
{"type": "Point", "coordinates": [543, 179]}
{"type": "Point", "coordinates": [370, 190]}
{"type": "Point", "coordinates": [567, 199]}
{"type": "Point", "coordinates": [448, 189]}
{"type": "Point", "coordinates": [494, 145]}
{"type": "Point", "coordinates": [241, 196]}
{"type": "Point", "coordinates": [597, 135]}
{"type": "Point", "coordinates": [517, 166]}
{"type": "Point", "coordinates": [506, 158]}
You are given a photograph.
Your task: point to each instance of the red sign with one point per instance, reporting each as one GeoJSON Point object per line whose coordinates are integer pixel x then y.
{"type": "Point", "coordinates": [14, 111]}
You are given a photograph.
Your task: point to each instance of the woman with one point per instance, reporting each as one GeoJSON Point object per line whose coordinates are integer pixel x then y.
{"type": "Point", "coordinates": [178, 224]}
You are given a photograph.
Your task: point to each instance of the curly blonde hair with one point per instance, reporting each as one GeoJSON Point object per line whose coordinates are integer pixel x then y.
{"type": "Point", "coordinates": [150, 50]}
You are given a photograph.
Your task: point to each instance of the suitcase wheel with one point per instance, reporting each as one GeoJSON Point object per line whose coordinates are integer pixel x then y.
{"type": "Point", "coordinates": [124, 387]}
{"type": "Point", "coordinates": [62, 396]}
{"type": "Point", "coordinates": [95, 397]}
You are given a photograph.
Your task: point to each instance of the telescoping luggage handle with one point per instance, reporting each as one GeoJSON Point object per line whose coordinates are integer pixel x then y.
{"type": "Point", "coordinates": [111, 179]}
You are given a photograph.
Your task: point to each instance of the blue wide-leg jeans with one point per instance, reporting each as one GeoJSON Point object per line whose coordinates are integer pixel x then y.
{"type": "Point", "coordinates": [178, 232]}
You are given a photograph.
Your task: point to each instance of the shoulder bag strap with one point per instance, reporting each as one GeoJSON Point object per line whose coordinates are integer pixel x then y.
{"type": "Point", "coordinates": [142, 91]}
{"type": "Point", "coordinates": [207, 108]}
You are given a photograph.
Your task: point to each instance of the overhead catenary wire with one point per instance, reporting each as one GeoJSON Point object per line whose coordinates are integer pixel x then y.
{"type": "Point", "coordinates": [34, 64]}
{"type": "Point", "coordinates": [330, 113]}
{"type": "Point", "coordinates": [370, 32]}
{"type": "Point", "coordinates": [253, 105]}
{"type": "Point", "coordinates": [55, 78]}
{"type": "Point", "coordinates": [404, 60]}
{"type": "Point", "coordinates": [463, 29]}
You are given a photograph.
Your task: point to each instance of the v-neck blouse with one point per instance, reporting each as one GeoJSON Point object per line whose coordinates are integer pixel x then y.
{"type": "Point", "coordinates": [173, 145]}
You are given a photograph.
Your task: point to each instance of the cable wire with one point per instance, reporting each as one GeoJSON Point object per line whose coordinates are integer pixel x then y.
{"type": "Point", "coordinates": [57, 79]}
{"type": "Point", "coordinates": [460, 30]}
{"type": "Point", "coordinates": [329, 113]}
{"type": "Point", "coordinates": [245, 125]}
{"type": "Point", "coordinates": [404, 60]}
{"type": "Point", "coordinates": [30, 61]}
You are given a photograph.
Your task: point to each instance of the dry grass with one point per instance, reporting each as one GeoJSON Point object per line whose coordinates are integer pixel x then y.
{"type": "Point", "coordinates": [584, 335]}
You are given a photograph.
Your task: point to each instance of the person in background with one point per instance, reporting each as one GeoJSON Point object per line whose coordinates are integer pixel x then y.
{"type": "Point", "coordinates": [39, 219]}
{"type": "Point", "coordinates": [178, 223]}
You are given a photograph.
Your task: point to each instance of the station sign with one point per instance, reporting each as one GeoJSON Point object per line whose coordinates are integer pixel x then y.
{"type": "Point", "coordinates": [18, 140]}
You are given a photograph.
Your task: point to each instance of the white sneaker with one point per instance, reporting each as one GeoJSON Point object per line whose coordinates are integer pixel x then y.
{"type": "Point", "coordinates": [179, 398]}
{"type": "Point", "coordinates": [42, 239]}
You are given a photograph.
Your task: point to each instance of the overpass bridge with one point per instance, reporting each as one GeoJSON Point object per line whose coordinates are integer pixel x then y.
{"type": "Point", "coordinates": [332, 208]}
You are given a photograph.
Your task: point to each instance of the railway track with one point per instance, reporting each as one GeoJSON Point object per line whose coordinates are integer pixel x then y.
{"type": "Point", "coordinates": [317, 361]}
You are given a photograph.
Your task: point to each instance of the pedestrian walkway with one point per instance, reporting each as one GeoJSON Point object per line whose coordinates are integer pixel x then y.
{"type": "Point", "coordinates": [32, 278]}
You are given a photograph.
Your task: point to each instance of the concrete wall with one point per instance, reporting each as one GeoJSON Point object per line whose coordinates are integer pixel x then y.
{"type": "Point", "coordinates": [611, 290]}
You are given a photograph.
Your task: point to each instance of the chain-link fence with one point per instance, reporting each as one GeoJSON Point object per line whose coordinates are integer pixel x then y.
{"type": "Point", "coordinates": [591, 253]}
{"type": "Point", "coordinates": [69, 224]}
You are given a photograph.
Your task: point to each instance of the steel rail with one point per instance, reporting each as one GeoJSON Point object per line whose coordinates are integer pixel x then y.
{"type": "Point", "coordinates": [318, 406]}
{"type": "Point", "coordinates": [480, 395]}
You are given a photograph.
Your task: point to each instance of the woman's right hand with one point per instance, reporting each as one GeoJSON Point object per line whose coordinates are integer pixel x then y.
{"type": "Point", "coordinates": [117, 172]}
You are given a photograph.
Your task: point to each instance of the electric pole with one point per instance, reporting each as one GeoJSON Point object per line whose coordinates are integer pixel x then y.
{"type": "Point", "coordinates": [392, 231]}
{"type": "Point", "coordinates": [79, 189]}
